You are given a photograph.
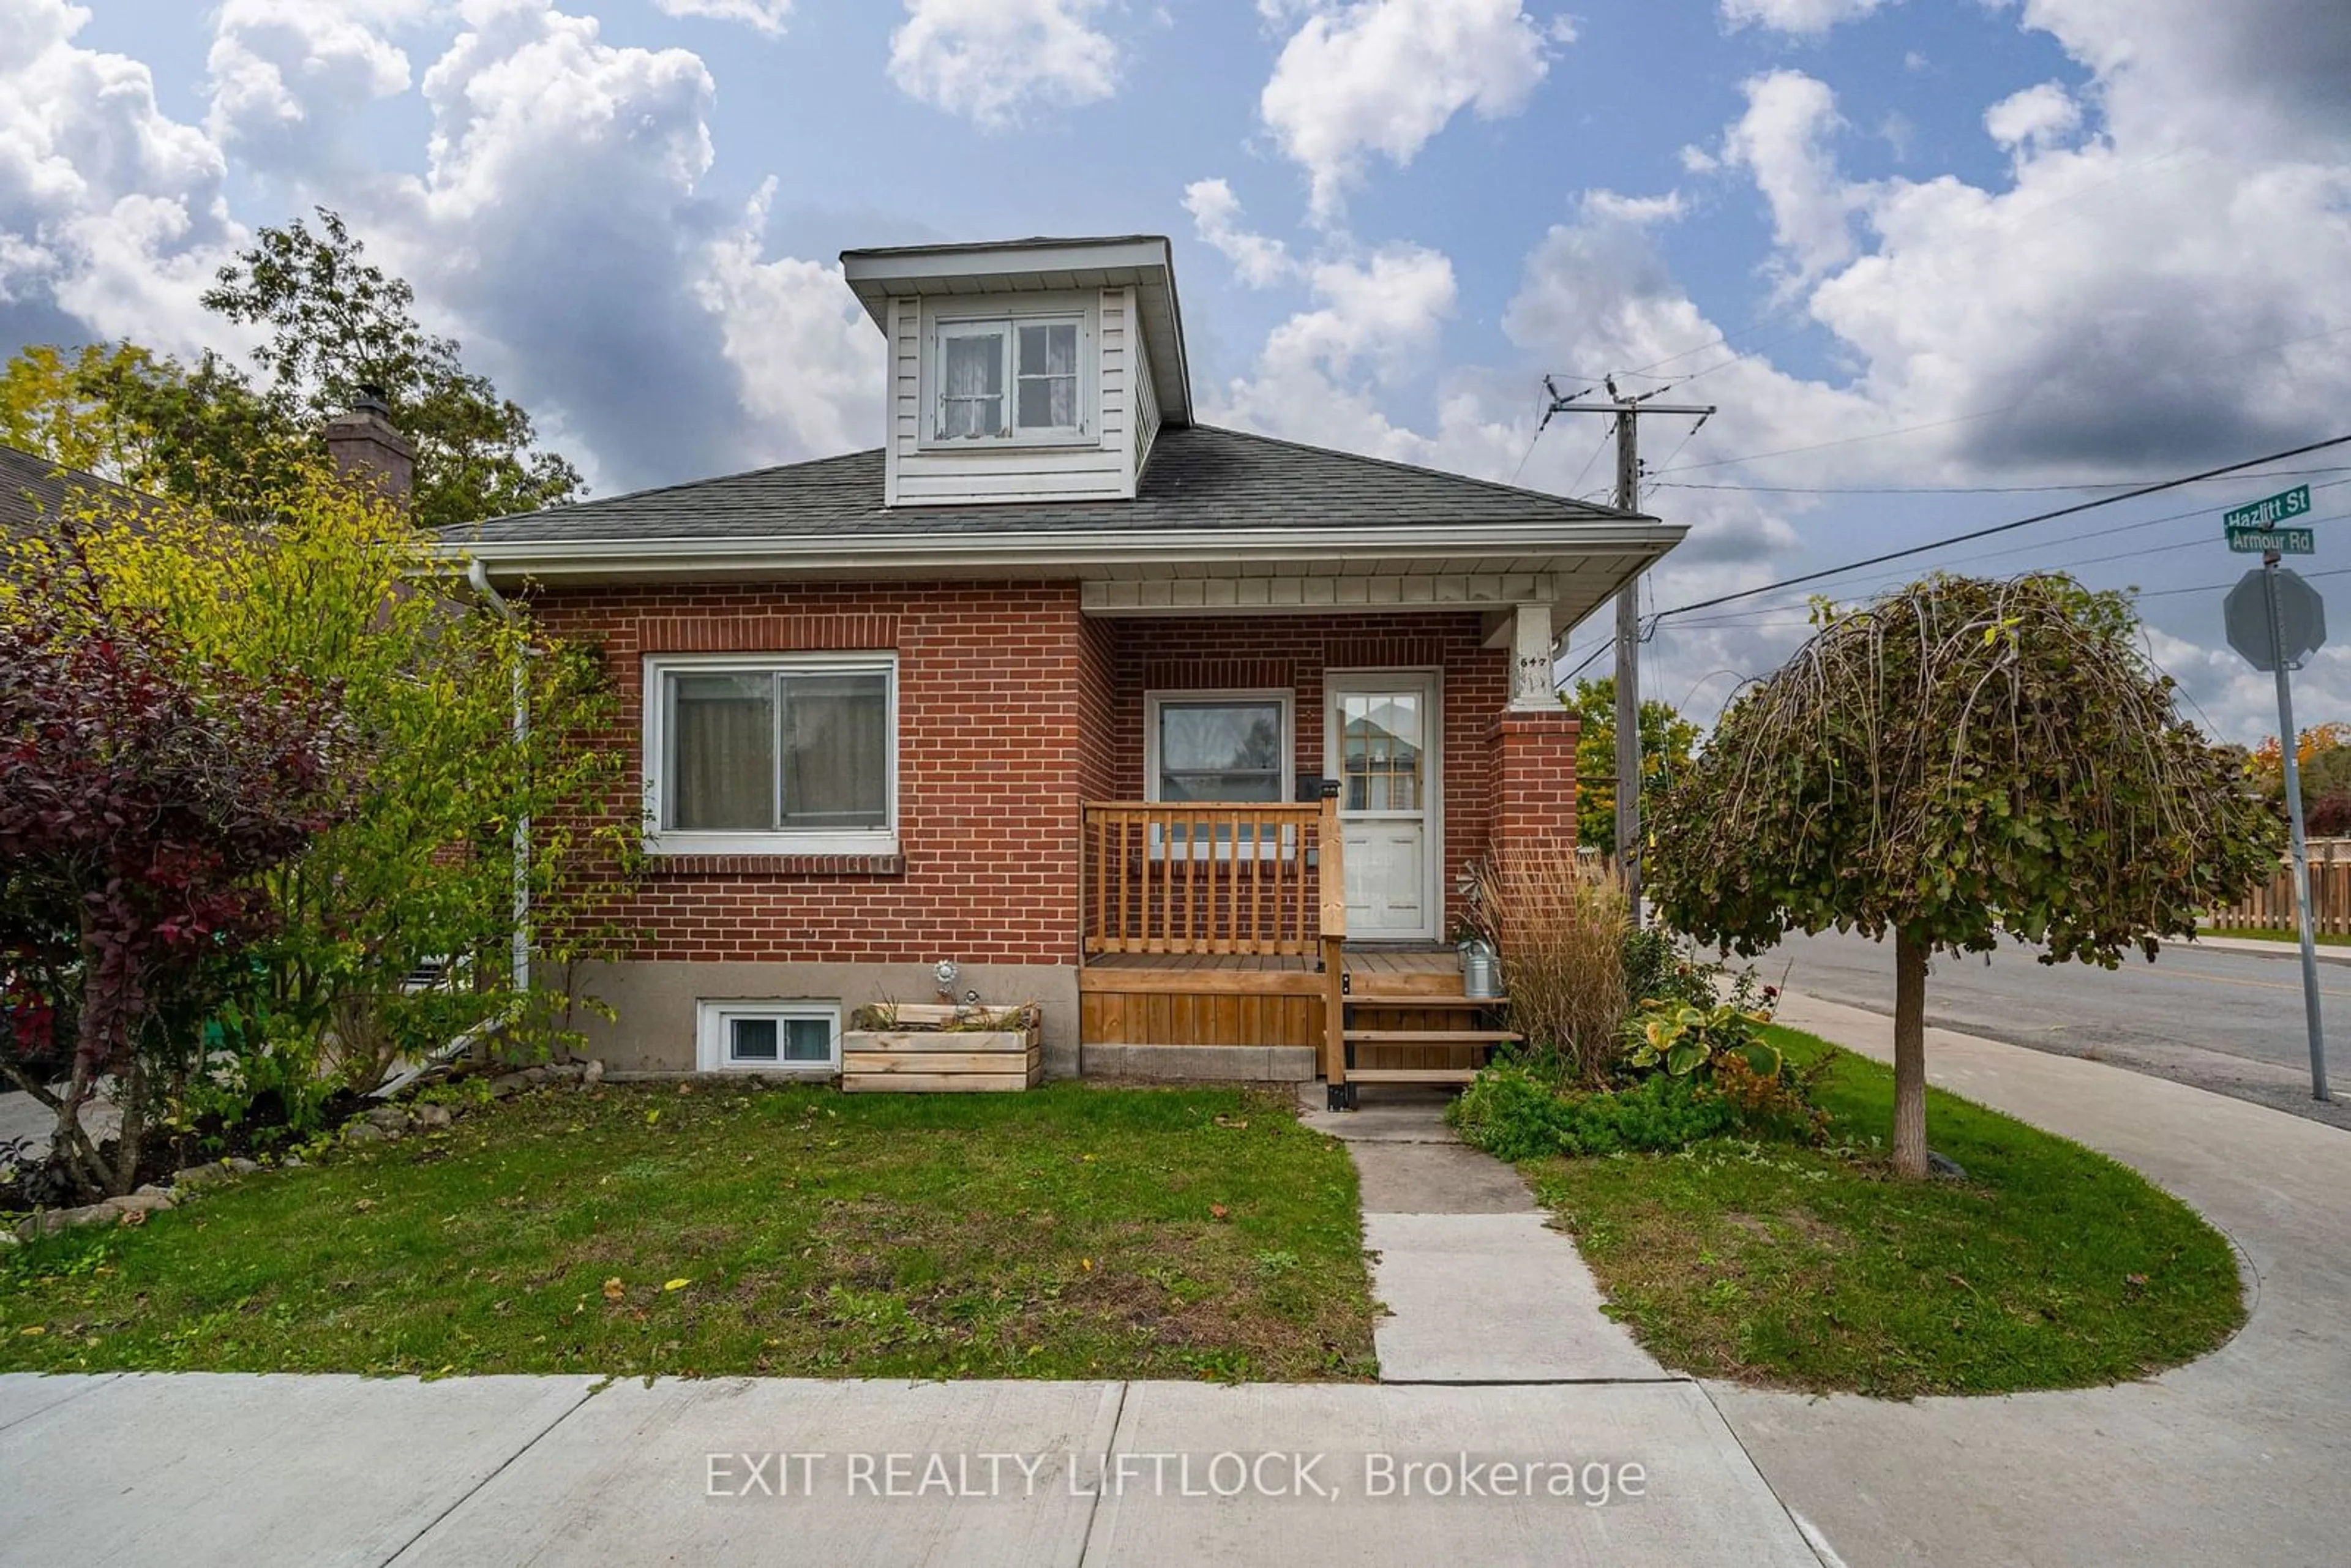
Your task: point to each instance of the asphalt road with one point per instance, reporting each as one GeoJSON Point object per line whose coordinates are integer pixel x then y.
{"type": "Point", "coordinates": [2229, 1022]}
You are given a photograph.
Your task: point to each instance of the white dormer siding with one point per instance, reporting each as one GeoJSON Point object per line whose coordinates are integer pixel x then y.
{"type": "Point", "coordinates": [933, 458]}
{"type": "Point", "coordinates": [986, 403]}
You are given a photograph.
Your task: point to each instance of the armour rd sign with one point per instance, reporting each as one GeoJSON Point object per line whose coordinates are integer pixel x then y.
{"type": "Point", "coordinates": [2302, 620]}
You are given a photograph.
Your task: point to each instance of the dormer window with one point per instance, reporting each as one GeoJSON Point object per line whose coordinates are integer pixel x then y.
{"type": "Point", "coordinates": [1016, 380]}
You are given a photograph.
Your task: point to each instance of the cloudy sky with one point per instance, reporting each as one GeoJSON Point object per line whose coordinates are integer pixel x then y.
{"type": "Point", "coordinates": [1941, 263]}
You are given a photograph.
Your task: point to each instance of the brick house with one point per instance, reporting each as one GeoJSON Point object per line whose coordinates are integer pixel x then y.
{"type": "Point", "coordinates": [1183, 733]}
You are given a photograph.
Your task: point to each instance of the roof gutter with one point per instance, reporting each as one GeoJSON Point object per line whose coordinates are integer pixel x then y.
{"type": "Point", "coordinates": [555, 560]}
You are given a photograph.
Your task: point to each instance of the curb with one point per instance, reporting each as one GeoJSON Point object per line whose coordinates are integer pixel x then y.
{"type": "Point", "coordinates": [2326, 955]}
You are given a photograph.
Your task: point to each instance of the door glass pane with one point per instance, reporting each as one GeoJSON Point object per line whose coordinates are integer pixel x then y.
{"type": "Point", "coordinates": [1381, 753]}
{"type": "Point", "coordinates": [751, 1040]}
{"type": "Point", "coordinates": [971, 384]}
{"type": "Point", "coordinates": [808, 1039]}
{"type": "Point", "coordinates": [836, 751]}
{"type": "Point", "coordinates": [722, 754]}
{"type": "Point", "coordinates": [1049, 377]}
{"type": "Point", "coordinates": [1222, 751]}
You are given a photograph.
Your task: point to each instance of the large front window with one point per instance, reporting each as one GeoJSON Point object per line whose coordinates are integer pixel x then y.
{"type": "Point", "coordinates": [1017, 379]}
{"type": "Point", "coordinates": [777, 756]}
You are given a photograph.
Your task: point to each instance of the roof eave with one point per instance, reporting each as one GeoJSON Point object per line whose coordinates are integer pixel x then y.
{"type": "Point", "coordinates": [1049, 553]}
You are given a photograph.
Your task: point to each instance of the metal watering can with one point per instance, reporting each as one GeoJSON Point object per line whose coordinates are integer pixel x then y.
{"type": "Point", "coordinates": [1481, 969]}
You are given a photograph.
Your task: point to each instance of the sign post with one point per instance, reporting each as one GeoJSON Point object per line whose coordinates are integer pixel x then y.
{"type": "Point", "coordinates": [2276, 621]}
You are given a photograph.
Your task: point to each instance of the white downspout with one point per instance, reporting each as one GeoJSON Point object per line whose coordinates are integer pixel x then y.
{"type": "Point", "coordinates": [479, 577]}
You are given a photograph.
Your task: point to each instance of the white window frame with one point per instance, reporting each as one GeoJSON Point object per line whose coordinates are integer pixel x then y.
{"type": "Point", "coordinates": [654, 758]}
{"type": "Point", "coordinates": [1287, 700]}
{"type": "Point", "coordinates": [712, 1014]}
{"type": "Point", "coordinates": [1088, 430]}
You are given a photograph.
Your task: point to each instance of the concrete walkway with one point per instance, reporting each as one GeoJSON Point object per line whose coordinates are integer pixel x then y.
{"type": "Point", "coordinates": [1478, 1289]}
{"type": "Point", "coordinates": [2240, 1459]}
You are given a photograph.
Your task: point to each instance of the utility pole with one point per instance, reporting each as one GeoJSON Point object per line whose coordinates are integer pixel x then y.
{"type": "Point", "coordinates": [1627, 412]}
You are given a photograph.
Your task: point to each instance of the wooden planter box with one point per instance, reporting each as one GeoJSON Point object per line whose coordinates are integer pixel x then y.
{"type": "Point", "coordinates": [923, 1056]}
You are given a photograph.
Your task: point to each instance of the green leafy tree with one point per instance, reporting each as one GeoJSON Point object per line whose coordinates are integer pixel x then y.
{"type": "Point", "coordinates": [197, 433]}
{"type": "Point", "coordinates": [1667, 741]}
{"type": "Point", "coordinates": [146, 793]}
{"type": "Point", "coordinates": [1960, 759]}
{"type": "Point", "coordinates": [419, 875]}
{"type": "Point", "coordinates": [340, 325]}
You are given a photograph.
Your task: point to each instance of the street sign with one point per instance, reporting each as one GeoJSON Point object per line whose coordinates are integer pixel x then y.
{"type": "Point", "coordinates": [2276, 621]}
{"type": "Point", "coordinates": [2301, 613]}
{"type": "Point", "coordinates": [2285, 541]}
{"type": "Point", "coordinates": [2269, 511]}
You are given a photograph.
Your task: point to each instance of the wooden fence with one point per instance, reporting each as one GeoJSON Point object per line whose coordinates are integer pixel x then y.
{"type": "Point", "coordinates": [2270, 907]}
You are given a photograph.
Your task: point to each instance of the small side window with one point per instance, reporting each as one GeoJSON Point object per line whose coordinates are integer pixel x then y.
{"type": "Point", "coordinates": [769, 1037]}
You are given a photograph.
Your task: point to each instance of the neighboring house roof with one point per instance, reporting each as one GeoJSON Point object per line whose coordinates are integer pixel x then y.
{"type": "Point", "coordinates": [1200, 479]}
{"type": "Point", "coordinates": [34, 489]}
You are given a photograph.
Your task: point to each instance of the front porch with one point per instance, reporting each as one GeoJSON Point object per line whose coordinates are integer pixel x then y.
{"type": "Point", "coordinates": [1215, 944]}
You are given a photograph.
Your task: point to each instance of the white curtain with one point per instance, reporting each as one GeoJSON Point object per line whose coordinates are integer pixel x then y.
{"type": "Point", "coordinates": [836, 751]}
{"type": "Point", "coordinates": [971, 401]}
{"type": "Point", "coordinates": [722, 754]}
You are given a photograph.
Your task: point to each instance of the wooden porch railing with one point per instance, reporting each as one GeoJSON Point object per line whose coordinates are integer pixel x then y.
{"type": "Point", "coordinates": [1243, 879]}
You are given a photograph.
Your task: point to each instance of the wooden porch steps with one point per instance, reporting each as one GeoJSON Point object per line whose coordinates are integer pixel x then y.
{"type": "Point", "coordinates": [1480, 1037]}
{"type": "Point", "coordinates": [1412, 1075]}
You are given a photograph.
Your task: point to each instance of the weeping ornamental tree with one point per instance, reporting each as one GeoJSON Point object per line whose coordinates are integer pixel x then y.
{"type": "Point", "coordinates": [1962, 758]}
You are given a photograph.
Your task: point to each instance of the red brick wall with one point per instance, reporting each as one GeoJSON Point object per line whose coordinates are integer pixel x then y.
{"type": "Point", "coordinates": [1012, 708]}
{"type": "Point", "coordinates": [990, 689]}
{"type": "Point", "coordinates": [1533, 758]}
{"type": "Point", "coordinates": [1291, 652]}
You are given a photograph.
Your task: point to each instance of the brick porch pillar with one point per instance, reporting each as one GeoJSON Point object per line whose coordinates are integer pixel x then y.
{"type": "Point", "coordinates": [1533, 754]}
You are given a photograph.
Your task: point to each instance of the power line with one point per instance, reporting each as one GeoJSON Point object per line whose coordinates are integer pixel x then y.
{"type": "Point", "coordinates": [2006, 528]}
{"type": "Point", "coordinates": [2217, 587]}
{"type": "Point", "coordinates": [1946, 489]}
{"type": "Point", "coordinates": [2134, 526]}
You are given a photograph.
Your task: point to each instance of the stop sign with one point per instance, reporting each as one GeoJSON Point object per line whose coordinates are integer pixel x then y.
{"type": "Point", "coordinates": [2301, 613]}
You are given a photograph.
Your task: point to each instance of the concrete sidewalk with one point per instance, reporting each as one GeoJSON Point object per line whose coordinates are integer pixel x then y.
{"type": "Point", "coordinates": [2240, 1459]}
{"type": "Point", "coordinates": [247, 1472]}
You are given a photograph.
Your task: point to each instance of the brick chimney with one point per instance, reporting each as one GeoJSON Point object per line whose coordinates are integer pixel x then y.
{"type": "Point", "coordinates": [364, 445]}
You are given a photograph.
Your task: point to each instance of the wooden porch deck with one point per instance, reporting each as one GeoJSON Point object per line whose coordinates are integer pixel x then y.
{"type": "Point", "coordinates": [1220, 926]}
{"type": "Point", "coordinates": [1361, 961]}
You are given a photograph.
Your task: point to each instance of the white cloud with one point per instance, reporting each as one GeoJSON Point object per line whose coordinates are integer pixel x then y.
{"type": "Point", "coordinates": [1386, 75]}
{"type": "Point", "coordinates": [767, 16]}
{"type": "Point", "coordinates": [1782, 141]}
{"type": "Point", "coordinates": [1374, 327]}
{"type": "Point", "coordinates": [1805, 18]}
{"type": "Point", "coordinates": [811, 364]}
{"type": "Point", "coordinates": [2033, 118]}
{"type": "Point", "coordinates": [2260, 79]}
{"type": "Point", "coordinates": [994, 59]}
{"type": "Point", "coordinates": [112, 213]}
{"type": "Point", "coordinates": [288, 76]}
{"type": "Point", "coordinates": [1216, 214]}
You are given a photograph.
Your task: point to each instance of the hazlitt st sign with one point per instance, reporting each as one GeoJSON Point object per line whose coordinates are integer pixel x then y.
{"type": "Point", "coordinates": [2255, 529]}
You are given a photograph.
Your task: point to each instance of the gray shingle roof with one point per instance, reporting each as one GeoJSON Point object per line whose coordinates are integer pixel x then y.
{"type": "Point", "coordinates": [33, 488]}
{"type": "Point", "coordinates": [1200, 478]}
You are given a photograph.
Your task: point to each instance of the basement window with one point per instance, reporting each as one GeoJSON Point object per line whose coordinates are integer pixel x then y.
{"type": "Point", "coordinates": [768, 1037]}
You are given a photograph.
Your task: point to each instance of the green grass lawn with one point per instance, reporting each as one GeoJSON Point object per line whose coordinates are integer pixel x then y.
{"type": "Point", "coordinates": [2291, 938]}
{"type": "Point", "coordinates": [2050, 1267]}
{"type": "Point", "coordinates": [1068, 1232]}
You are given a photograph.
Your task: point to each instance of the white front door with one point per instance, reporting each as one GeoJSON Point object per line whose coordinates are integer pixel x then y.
{"type": "Point", "coordinates": [1381, 745]}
